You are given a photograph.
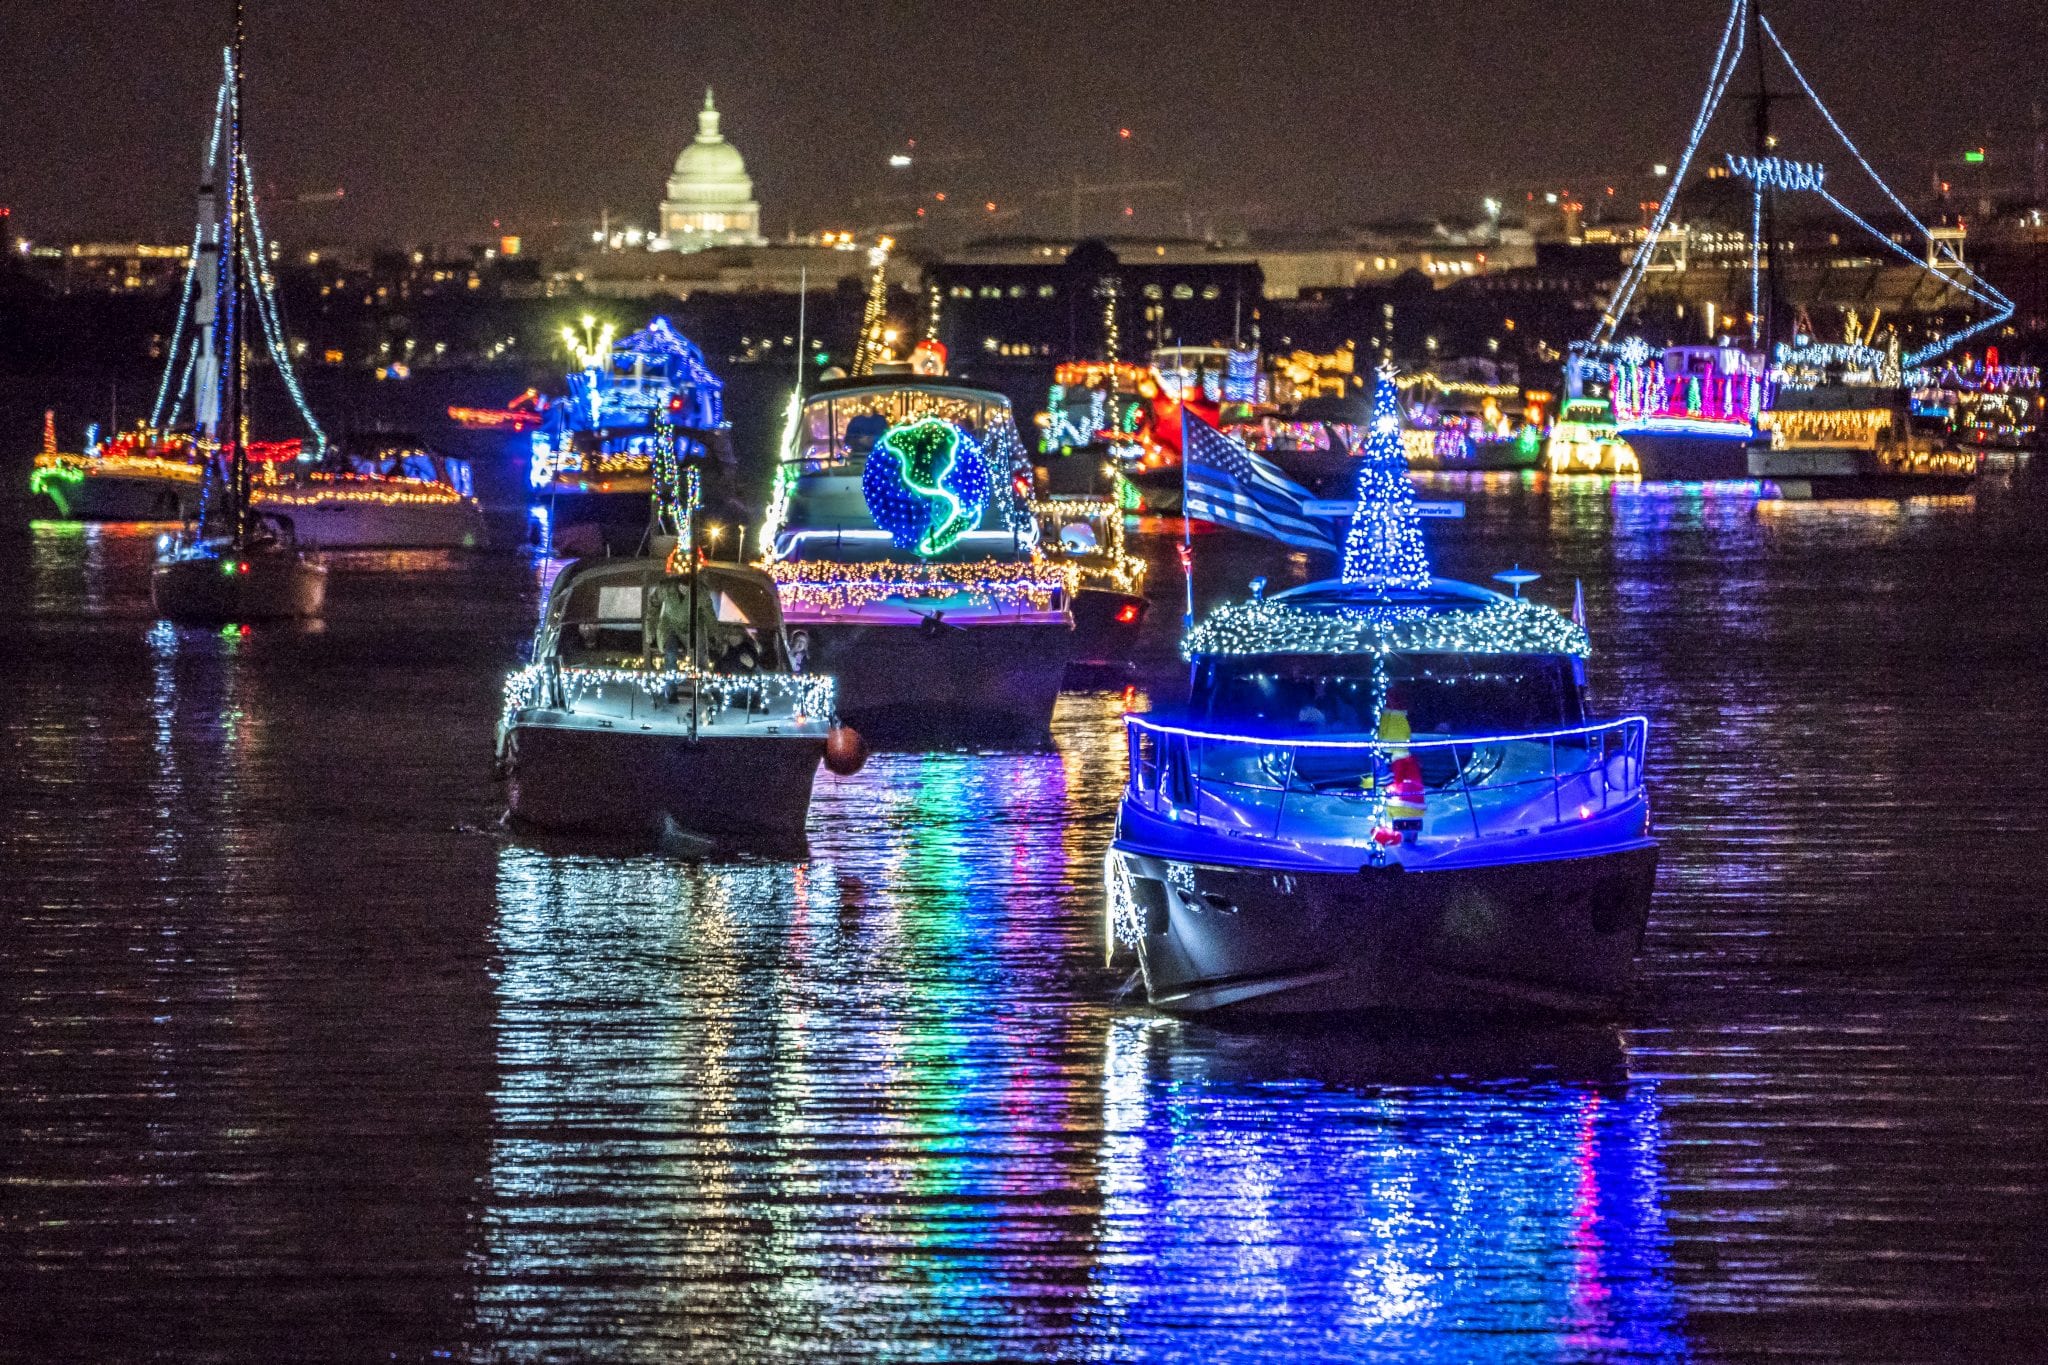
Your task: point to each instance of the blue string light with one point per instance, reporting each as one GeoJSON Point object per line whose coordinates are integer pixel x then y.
{"type": "Point", "coordinates": [1776, 173]}
{"type": "Point", "coordinates": [1384, 547]}
{"type": "Point", "coordinates": [1725, 64]}
{"type": "Point", "coordinates": [1990, 297]}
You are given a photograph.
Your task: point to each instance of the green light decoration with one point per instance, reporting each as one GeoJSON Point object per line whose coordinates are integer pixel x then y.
{"type": "Point", "coordinates": [926, 485]}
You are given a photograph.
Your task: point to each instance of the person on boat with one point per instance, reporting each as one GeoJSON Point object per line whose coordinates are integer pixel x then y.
{"type": "Point", "coordinates": [672, 620]}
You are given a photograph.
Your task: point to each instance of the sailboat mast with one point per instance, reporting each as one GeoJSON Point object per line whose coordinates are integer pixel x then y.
{"type": "Point", "coordinates": [235, 370]}
{"type": "Point", "coordinates": [1767, 233]}
{"type": "Point", "coordinates": [205, 366]}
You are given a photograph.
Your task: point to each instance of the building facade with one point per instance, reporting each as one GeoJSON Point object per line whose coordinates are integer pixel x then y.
{"type": "Point", "coordinates": [710, 196]}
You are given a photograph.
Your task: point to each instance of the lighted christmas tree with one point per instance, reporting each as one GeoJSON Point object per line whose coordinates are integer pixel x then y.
{"type": "Point", "coordinates": [1384, 548]}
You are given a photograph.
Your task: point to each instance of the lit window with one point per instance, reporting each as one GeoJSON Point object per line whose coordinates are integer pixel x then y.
{"type": "Point", "coordinates": [1183, 291]}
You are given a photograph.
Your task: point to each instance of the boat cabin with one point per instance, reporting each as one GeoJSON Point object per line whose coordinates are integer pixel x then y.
{"type": "Point", "coordinates": [633, 614]}
{"type": "Point", "coordinates": [822, 509]}
{"type": "Point", "coordinates": [1448, 722]}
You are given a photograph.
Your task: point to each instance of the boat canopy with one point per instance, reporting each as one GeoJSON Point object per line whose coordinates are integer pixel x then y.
{"type": "Point", "coordinates": [610, 610]}
{"type": "Point", "coordinates": [1338, 618]}
{"type": "Point", "coordinates": [841, 421]}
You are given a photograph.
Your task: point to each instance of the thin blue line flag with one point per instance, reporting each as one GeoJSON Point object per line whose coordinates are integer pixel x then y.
{"type": "Point", "coordinates": [1230, 485]}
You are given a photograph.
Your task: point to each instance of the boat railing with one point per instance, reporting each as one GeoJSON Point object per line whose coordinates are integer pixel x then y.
{"type": "Point", "coordinates": [1334, 790]}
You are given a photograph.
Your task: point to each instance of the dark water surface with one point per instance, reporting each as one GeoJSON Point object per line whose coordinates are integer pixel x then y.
{"type": "Point", "coordinates": [300, 1059]}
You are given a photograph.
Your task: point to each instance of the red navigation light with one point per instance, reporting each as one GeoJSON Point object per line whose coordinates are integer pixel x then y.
{"type": "Point", "coordinates": [1127, 614]}
{"type": "Point", "coordinates": [242, 567]}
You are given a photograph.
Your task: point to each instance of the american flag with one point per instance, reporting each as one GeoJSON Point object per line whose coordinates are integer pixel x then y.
{"type": "Point", "coordinates": [1231, 486]}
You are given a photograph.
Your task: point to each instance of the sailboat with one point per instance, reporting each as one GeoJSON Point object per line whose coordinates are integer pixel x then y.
{"type": "Point", "coordinates": [366, 498]}
{"type": "Point", "coordinates": [237, 565]}
{"type": "Point", "coordinates": [1801, 413]}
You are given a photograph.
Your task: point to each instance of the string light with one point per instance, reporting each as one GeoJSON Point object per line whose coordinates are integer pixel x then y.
{"type": "Point", "coordinates": [1777, 173]}
{"type": "Point", "coordinates": [1384, 549]}
{"type": "Point", "coordinates": [809, 695]}
{"type": "Point", "coordinates": [873, 345]}
{"type": "Point", "coordinates": [1006, 584]}
{"type": "Point", "coordinates": [1727, 58]}
{"type": "Point", "coordinates": [1498, 625]}
{"type": "Point", "coordinates": [1110, 564]}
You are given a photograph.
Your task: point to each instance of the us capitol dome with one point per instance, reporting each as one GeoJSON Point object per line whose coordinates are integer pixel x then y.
{"type": "Point", "coordinates": [710, 196]}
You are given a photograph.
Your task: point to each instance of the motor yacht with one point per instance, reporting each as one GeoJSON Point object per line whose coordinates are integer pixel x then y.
{"type": "Point", "coordinates": [1383, 798]}
{"type": "Point", "coordinates": [663, 705]}
{"type": "Point", "coordinates": [901, 537]}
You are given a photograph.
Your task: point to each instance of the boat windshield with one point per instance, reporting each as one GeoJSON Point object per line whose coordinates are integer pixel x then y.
{"type": "Point", "coordinates": [613, 620]}
{"type": "Point", "coordinates": [1333, 695]}
{"type": "Point", "coordinates": [841, 427]}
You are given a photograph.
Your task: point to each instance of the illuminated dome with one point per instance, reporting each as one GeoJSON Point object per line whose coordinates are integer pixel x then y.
{"type": "Point", "coordinates": [710, 197]}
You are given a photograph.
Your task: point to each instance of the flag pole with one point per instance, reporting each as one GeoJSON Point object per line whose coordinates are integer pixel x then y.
{"type": "Point", "coordinates": [1187, 531]}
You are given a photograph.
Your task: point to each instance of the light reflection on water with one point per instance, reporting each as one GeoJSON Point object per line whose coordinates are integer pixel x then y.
{"type": "Point", "coordinates": [299, 1058]}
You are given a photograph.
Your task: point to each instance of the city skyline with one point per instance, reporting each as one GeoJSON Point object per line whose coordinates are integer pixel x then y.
{"type": "Point", "coordinates": [470, 122]}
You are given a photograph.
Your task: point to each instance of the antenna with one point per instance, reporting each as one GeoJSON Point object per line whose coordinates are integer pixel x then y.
{"type": "Point", "coordinates": [803, 296]}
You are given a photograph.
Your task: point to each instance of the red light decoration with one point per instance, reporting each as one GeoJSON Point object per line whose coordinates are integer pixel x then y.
{"type": "Point", "coordinates": [1127, 614]}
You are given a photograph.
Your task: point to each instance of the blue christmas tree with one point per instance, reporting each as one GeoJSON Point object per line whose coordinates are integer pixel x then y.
{"type": "Point", "coordinates": [1384, 549]}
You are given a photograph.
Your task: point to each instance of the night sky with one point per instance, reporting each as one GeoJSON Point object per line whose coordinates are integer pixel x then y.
{"type": "Point", "coordinates": [439, 118]}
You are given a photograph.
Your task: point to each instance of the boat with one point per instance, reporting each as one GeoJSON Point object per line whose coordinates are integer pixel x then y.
{"type": "Point", "coordinates": [119, 480]}
{"type": "Point", "coordinates": [1858, 441]}
{"type": "Point", "coordinates": [1384, 799]}
{"type": "Point", "coordinates": [1105, 581]}
{"type": "Point", "coordinates": [1699, 413]}
{"type": "Point", "coordinates": [662, 703]}
{"type": "Point", "coordinates": [1383, 793]}
{"type": "Point", "coordinates": [1585, 438]}
{"type": "Point", "coordinates": [395, 495]}
{"type": "Point", "coordinates": [1688, 413]}
{"type": "Point", "coordinates": [1470, 415]}
{"type": "Point", "coordinates": [235, 564]}
{"type": "Point", "coordinates": [409, 499]}
{"type": "Point", "coordinates": [592, 452]}
{"type": "Point", "coordinates": [1989, 406]}
{"type": "Point", "coordinates": [901, 538]}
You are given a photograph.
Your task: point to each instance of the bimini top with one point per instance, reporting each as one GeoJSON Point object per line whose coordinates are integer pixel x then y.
{"type": "Point", "coordinates": [1334, 617]}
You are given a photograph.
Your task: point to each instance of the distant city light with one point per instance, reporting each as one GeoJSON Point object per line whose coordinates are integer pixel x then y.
{"type": "Point", "coordinates": [1975, 157]}
{"type": "Point", "coordinates": [1660, 170]}
{"type": "Point", "coordinates": [899, 160]}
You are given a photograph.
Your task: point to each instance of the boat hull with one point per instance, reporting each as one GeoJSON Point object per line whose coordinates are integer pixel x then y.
{"type": "Point", "coordinates": [1689, 457]}
{"type": "Point", "coordinates": [331, 524]}
{"type": "Point", "coordinates": [1106, 628]}
{"type": "Point", "coordinates": [274, 587]}
{"type": "Point", "coordinates": [121, 497]}
{"type": "Point", "coordinates": [1818, 473]}
{"type": "Point", "coordinates": [588, 780]}
{"type": "Point", "coordinates": [1556, 937]}
{"type": "Point", "coordinates": [935, 686]}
